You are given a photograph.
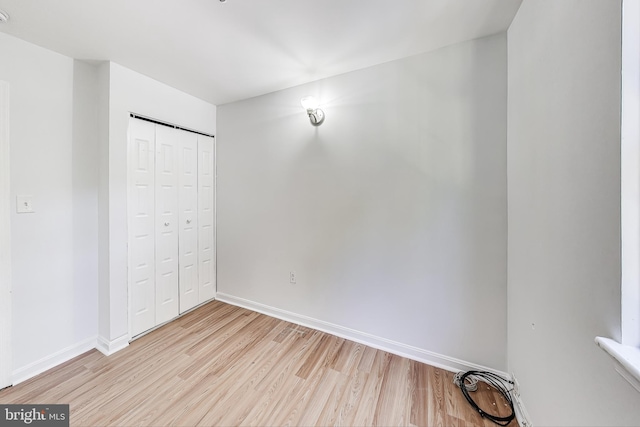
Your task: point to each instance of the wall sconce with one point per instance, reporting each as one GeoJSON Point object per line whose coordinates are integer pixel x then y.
{"type": "Point", "coordinates": [316, 115]}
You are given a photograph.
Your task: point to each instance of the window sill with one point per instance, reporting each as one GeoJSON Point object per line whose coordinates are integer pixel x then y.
{"type": "Point", "coordinates": [627, 359]}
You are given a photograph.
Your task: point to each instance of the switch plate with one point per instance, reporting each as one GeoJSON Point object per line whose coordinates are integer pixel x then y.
{"type": "Point", "coordinates": [24, 204]}
{"type": "Point", "coordinates": [292, 277]}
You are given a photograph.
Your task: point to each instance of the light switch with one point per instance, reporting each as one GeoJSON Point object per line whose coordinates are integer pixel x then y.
{"type": "Point", "coordinates": [24, 204]}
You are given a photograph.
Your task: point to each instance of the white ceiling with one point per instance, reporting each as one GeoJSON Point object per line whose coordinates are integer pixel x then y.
{"type": "Point", "coordinates": [223, 52]}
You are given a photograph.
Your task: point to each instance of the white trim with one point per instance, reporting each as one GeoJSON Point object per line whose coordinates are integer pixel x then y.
{"type": "Point", "coordinates": [5, 240]}
{"type": "Point", "coordinates": [215, 217]}
{"type": "Point", "coordinates": [394, 347]}
{"type": "Point", "coordinates": [109, 347]}
{"type": "Point", "coordinates": [626, 357]}
{"type": "Point", "coordinates": [630, 174]}
{"type": "Point", "coordinates": [520, 411]}
{"type": "Point", "coordinates": [53, 360]}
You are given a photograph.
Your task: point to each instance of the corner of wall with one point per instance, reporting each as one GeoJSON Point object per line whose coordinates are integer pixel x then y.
{"type": "Point", "coordinates": [103, 198]}
{"type": "Point", "coordinates": [109, 347]}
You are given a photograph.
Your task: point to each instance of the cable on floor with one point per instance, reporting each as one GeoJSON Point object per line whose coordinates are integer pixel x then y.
{"type": "Point", "coordinates": [468, 382]}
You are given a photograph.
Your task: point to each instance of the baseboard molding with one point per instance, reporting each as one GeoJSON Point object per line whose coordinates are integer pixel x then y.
{"type": "Point", "coordinates": [53, 360]}
{"type": "Point", "coordinates": [400, 349]}
{"type": "Point", "coordinates": [108, 347]}
{"type": "Point", "coordinates": [521, 412]}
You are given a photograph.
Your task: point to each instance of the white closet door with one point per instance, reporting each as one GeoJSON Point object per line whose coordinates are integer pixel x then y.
{"type": "Point", "coordinates": [189, 295]}
{"type": "Point", "coordinates": [206, 217]}
{"type": "Point", "coordinates": [142, 270]}
{"type": "Point", "coordinates": [166, 250]}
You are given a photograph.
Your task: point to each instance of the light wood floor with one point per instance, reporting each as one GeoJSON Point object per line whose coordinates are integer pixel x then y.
{"type": "Point", "coordinates": [224, 366]}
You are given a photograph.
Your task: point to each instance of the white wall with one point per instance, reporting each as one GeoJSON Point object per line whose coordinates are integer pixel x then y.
{"type": "Point", "coordinates": [392, 213]}
{"type": "Point", "coordinates": [103, 201]}
{"type": "Point", "coordinates": [564, 211]}
{"type": "Point", "coordinates": [84, 172]}
{"type": "Point", "coordinates": [54, 298]}
{"type": "Point", "coordinates": [131, 92]}
{"type": "Point", "coordinates": [68, 150]}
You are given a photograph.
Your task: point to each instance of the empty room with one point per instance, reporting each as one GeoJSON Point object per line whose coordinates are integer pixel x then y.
{"type": "Point", "coordinates": [293, 212]}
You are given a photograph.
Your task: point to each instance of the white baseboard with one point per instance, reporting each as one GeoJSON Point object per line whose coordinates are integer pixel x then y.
{"type": "Point", "coordinates": [108, 347]}
{"type": "Point", "coordinates": [521, 412]}
{"type": "Point", "coordinates": [400, 349]}
{"type": "Point", "coordinates": [53, 360]}
{"type": "Point", "coordinates": [394, 347]}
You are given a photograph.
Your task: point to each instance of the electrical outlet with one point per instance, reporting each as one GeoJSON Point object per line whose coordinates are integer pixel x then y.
{"type": "Point", "coordinates": [292, 277]}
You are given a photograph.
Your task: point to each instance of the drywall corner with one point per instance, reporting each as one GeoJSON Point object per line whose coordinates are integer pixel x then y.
{"type": "Point", "coordinates": [103, 200]}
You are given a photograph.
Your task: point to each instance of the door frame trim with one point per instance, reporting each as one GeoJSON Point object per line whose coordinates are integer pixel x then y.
{"type": "Point", "coordinates": [5, 241]}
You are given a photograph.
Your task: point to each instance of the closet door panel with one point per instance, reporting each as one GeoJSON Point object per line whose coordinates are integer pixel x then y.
{"type": "Point", "coordinates": [167, 227]}
{"type": "Point", "coordinates": [206, 217]}
{"type": "Point", "coordinates": [188, 182]}
{"type": "Point", "coordinates": [142, 225]}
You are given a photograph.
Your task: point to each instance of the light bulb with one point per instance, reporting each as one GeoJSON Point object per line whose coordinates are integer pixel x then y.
{"type": "Point", "coordinates": [309, 103]}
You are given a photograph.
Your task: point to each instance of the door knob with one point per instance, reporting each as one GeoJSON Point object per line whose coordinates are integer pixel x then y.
{"type": "Point", "coordinates": [188, 221]}
{"type": "Point", "coordinates": [166, 224]}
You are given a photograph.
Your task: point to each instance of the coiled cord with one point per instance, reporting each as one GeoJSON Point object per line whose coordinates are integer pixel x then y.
{"type": "Point", "coordinates": [468, 381]}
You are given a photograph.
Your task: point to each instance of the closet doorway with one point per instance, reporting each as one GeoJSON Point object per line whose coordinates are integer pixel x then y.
{"type": "Point", "coordinates": [171, 199]}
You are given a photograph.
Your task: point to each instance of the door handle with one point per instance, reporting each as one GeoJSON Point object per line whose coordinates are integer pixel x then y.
{"type": "Point", "coordinates": [166, 224]}
{"type": "Point", "coordinates": [188, 221]}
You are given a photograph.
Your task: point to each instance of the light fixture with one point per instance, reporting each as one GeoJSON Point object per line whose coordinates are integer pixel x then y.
{"type": "Point", "coordinates": [4, 16]}
{"type": "Point", "coordinates": [316, 115]}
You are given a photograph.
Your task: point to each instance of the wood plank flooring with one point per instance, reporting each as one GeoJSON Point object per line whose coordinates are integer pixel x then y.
{"type": "Point", "coordinates": [221, 365]}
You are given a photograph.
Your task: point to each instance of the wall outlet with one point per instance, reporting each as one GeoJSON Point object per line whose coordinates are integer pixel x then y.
{"type": "Point", "coordinates": [292, 277]}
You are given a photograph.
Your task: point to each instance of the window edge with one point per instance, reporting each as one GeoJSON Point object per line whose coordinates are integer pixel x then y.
{"type": "Point", "coordinates": [626, 357]}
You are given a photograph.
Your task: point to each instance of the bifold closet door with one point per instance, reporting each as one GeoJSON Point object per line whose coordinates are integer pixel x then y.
{"type": "Point", "coordinates": [188, 199]}
{"type": "Point", "coordinates": [172, 223]}
{"type": "Point", "coordinates": [142, 270]}
{"type": "Point", "coordinates": [206, 215]}
{"type": "Point", "coordinates": [167, 226]}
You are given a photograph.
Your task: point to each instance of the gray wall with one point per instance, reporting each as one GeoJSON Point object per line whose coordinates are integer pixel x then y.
{"type": "Point", "coordinates": [392, 213]}
{"type": "Point", "coordinates": [564, 211]}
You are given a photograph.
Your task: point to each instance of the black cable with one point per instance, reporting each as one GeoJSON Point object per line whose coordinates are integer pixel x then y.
{"type": "Point", "coordinates": [496, 382]}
